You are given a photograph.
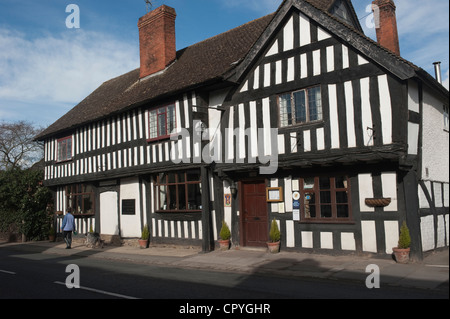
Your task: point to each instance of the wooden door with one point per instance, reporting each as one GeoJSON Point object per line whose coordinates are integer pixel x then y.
{"type": "Point", "coordinates": [254, 214]}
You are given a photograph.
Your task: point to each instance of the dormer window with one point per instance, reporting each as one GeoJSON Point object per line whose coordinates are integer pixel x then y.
{"type": "Point", "coordinates": [65, 149]}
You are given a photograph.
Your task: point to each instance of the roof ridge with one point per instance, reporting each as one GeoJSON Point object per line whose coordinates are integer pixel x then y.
{"type": "Point", "coordinates": [228, 31]}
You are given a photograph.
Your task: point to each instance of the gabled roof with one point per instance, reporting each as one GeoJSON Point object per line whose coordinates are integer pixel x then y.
{"type": "Point", "coordinates": [317, 10]}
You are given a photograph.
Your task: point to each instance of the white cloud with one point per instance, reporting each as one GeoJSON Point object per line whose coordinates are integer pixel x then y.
{"type": "Point", "coordinates": [60, 69]}
{"type": "Point", "coordinates": [260, 6]}
{"type": "Point", "coordinates": [423, 31]}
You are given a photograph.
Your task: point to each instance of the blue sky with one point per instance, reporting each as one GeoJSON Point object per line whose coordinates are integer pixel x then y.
{"type": "Point", "coordinates": [46, 68]}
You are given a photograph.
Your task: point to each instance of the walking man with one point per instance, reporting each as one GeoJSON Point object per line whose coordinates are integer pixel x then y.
{"type": "Point", "coordinates": [68, 226]}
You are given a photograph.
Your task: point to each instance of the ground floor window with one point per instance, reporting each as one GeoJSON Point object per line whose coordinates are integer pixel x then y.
{"type": "Point", "coordinates": [81, 199]}
{"type": "Point", "coordinates": [178, 191]}
{"type": "Point", "coordinates": [325, 199]}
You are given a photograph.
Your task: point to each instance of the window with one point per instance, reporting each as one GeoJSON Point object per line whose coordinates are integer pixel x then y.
{"type": "Point", "coordinates": [65, 149]}
{"type": "Point", "coordinates": [178, 191]}
{"type": "Point", "coordinates": [80, 198]}
{"type": "Point", "coordinates": [300, 107]}
{"type": "Point", "coordinates": [162, 122]}
{"type": "Point", "coordinates": [325, 199]}
{"type": "Point", "coordinates": [446, 127]}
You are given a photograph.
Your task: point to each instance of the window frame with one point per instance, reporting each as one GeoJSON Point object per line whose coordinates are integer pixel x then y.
{"type": "Point", "coordinates": [74, 193]}
{"type": "Point", "coordinates": [293, 117]}
{"type": "Point", "coordinates": [167, 133]}
{"type": "Point", "coordinates": [316, 190]}
{"type": "Point", "coordinates": [59, 143]}
{"type": "Point", "coordinates": [177, 183]}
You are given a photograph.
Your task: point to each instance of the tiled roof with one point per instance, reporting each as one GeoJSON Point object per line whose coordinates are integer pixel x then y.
{"type": "Point", "coordinates": [201, 63]}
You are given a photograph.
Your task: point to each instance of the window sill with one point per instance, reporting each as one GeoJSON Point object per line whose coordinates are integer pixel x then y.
{"type": "Point", "coordinates": [296, 127]}
{"type": "Point", "coordinates": [158, 139]}
{"type": "Point", "coordinates": [64, 161]}
{"type": "Point", "coordinates": [177, 211]}
{"type": "Point", "coordinates": [323, 221]}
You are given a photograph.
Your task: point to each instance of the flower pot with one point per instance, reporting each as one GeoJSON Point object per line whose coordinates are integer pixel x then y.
{"type": "Point", "coordinates": [274, 247]}
{"type": "Point", "coordinates": [224, 244]}
{"type": "Point", "coordinates": [401, 255]}
{"type": "Point", "coordinates": [143, 243]}
{"type": "Point", "coordinates": [51, 238]}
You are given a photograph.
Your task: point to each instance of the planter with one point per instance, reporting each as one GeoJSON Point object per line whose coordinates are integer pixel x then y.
{"type": "Point", "coordinates": [51, 238]}
{"type": "Point", "coordinates": [401, 255]}
{"type": "Point", "coordinates": [274, 247]}
{"type": "Point", "coordinates": [378, 202]}
{"type": "Point", "coordinates": [224, 244]}
{"type": "Point", "coordinates": [143, 243]}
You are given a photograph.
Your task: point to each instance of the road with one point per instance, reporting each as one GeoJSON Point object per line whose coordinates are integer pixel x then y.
{"type": "Point", "coordinates": [25, 275]}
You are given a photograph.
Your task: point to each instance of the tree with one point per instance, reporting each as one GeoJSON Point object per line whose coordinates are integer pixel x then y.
{"type": "Point", "coordinates": [17, 146]}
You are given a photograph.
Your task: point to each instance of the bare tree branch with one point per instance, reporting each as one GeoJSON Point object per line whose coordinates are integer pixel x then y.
{"type": "Point", "coordinates": [17, 148]}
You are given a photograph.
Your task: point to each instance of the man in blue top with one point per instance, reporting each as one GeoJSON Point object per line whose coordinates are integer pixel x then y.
{"type": "Point", "coordinates": [68, 226]}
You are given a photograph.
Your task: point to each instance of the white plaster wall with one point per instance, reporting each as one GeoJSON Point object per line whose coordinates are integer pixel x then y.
{"type": "Point", "coordinates": [307, 239]}
{"type": "Point", "coordinates": [391, 229]}
{"type": "Point", "coordinates": [290, 233]}
{"type": "Point", "coordinates": [427, 231]}
{"type": "Point", "coordinates": [369, 237]}
{"type": "Point", "coordinates": [130, 224]}
{"type": "Point", "coordinates": [326, 240]}
{"type": "Point", "coordinates": [365, 191]}
{"type": "Point", "coordinates": [435, 149]}
{"type": "Point", "coordinates": [108, 213]}
{"type": "Point", "coordinates": [348, 241]}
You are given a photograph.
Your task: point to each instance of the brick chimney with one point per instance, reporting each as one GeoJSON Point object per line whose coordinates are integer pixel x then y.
{"type": "Point", "coordinates": [157, 40]}
{"type": "Point", "coordinates": [386, 24]}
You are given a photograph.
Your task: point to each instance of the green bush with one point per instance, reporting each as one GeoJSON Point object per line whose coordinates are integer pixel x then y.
{"type": "Point", "coordinates": [404, 241]}
{"type": "Point", "coordinates": [225, 233]}
{"type": "Point", "coordinates": [23, 203]}
{"type": "Point", "coordinates": [274, 233]}
{"type": "Point", "coordinates": [145, 233]}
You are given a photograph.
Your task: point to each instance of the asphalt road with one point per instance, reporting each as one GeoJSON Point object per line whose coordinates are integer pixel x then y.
{"type": "Point", "coordinates": [44, 276]}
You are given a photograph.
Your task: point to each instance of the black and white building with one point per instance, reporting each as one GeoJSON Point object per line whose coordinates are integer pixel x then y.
{"type": "Point", "coordinates": [296, 116]}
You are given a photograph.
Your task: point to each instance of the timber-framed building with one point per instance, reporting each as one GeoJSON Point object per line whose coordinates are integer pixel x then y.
{"type": "Point", "coordinates": [358, 136]}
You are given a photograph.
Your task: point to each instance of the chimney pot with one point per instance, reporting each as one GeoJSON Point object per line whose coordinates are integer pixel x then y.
{"type": "Point", "coordinates": [386, 24]}
{"type": "Point", "coordinates": [437, 70]}
{"type": "Point", "coordinates": [157, 40]}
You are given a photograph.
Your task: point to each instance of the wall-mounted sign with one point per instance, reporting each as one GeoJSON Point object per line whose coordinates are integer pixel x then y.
{"type": "Point", "coordinates": [227, 200]}
{"type": "Point", "coordinates": [274, 194]}
{"type": "Point", "coordinates": [128, 207]}
{"type": "Point", "coordinates": [296, 206]}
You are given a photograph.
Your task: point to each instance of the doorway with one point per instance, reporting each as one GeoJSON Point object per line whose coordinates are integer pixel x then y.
{"type": "Point", "coordinates": [254, 219]}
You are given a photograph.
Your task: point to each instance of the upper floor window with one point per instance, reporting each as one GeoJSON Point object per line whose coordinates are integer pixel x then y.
{"type": "Point", "coordinates": [162, 121]}
{"type": "Point", "coordinates": [300, 107]}
{"type": "Point", "coordinates": [65, 149]}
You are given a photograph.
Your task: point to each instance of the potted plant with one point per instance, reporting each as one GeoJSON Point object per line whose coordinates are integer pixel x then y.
{"type": "Point", "coordinates": [274, 235]}
{"type": "Point", "coordinates": [225, 234]}
{"type": "Point", "coordinates": [51, 234]}
{"type": "Point", "coordinates": [401, 252]}
{"type": "Point", "coordinates": [144, 241]}
{"type": "Point", "coordinates": [90, 237]}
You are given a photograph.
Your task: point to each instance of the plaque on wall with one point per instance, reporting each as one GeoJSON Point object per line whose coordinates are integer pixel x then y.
{"type": "Point", "coordinates": [128, 207]}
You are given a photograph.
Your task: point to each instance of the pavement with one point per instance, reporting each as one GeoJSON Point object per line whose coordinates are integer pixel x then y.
{"type": "Point", "coordinates": [432, 273]}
